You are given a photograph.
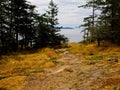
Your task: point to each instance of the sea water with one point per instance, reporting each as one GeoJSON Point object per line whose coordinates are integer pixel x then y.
{"type": "Point", "coordinates": [74, 35]}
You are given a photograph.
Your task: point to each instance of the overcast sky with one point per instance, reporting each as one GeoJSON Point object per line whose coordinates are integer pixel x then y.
{"type": "Point", "coordinates": [69, 13]}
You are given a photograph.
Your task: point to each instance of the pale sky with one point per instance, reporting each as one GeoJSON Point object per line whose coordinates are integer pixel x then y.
{"type": "Point", "coordinates": [69, 14]}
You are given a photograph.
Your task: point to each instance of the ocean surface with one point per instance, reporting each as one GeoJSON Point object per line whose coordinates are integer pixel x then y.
{"type": "Point", "coordinates": [74, 35]}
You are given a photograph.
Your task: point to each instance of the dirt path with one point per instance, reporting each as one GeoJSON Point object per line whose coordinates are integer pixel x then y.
{"type": "Point", "coordinates": [61, 77]}
{"type": "Point", "coordinates": [67, 75]}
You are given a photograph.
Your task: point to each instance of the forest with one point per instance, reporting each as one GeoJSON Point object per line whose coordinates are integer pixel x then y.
{"type": "Point", "coordinates": [21, 26]}
{"type": "Point", "coordinates": [104, 21]}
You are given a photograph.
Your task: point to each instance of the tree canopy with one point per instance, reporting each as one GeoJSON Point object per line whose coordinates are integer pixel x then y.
{"type": "Point", "coordinates": [21, 26]}
{"type": "Point", "coordinates": [106, 25]}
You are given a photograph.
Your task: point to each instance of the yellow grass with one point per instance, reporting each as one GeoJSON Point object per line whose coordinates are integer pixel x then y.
{"type": "Point", "coordinates": [111, 83]}
{"type": "Point", "coordinates": [93, 56]}
{"type": "Point", "coordinates": [14, 69]}
{"type": "Point", "coordinates": [12, 83]}
{"type": "Point", "coordinates": [17, 67]}
{"type": "Point", "coordinates": [93, 49]}
{"type": "Point", "coordinates": [92, 53]}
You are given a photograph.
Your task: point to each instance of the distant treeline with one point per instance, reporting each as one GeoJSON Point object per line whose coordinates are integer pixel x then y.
{"type": "Point", "coordinates": [21, 26]}
{"type": "Point", "coordinates": [103, 26]}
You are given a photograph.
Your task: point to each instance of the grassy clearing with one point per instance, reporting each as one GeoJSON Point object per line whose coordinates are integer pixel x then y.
{"type": "Point", "coordinates": [93, 52]}
{"type": "Point", "coordinates": [104, 59]}
{"type": "Point", "coordinates": [15, 68]}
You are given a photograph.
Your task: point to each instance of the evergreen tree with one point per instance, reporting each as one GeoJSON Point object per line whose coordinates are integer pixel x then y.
{"type": "Point", "coordinates": [90, 21]}
{"type": "Point", "coordinates": [53, 21]}
{"type": "Point", "coordinates": [5, 36]}
{"type": "Point", "coordinates": [106, 27]}
{"type": "Point", "coordinates": [110, 15]}
{"type": "Point", "coordinates": [20, 26]}
{"type": "Point", "coordinates": [42, 37]}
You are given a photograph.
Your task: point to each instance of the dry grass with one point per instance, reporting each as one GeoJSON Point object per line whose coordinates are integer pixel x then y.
{"type": "Point", "coordinates": [12, 83]}
{"type": "Point", "coordinates": [112, 82]}
{"type": "Point", "coordinates": [15, 68]}
{"type": "Point", "coordinates": [93, 49]}
{"type": "Point", "coordinates": [100, 59]}
{"type": "Point", "coordinates": [97, 64]}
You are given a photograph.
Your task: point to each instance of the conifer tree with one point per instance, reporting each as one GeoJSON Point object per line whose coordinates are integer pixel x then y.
{"type": "Point", "coordinates": [52, 22]}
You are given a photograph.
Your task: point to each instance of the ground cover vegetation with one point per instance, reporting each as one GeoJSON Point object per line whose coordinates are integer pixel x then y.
{"type": "Point", "coordinates": [81, 66]}
{"type": "Point", "coordinates": [16, 67]}
{"type": "Point", "coordinates": [99, 67]}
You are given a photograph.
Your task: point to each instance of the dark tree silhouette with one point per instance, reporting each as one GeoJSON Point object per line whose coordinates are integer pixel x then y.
{"type": "Point", "coordinates": [21, 26]}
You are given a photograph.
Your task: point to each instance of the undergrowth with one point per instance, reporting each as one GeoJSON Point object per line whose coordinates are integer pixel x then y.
{"type": "Point", "coordinates": [105, 58]}
{"type": "Point", "coordinates": [15, 68]}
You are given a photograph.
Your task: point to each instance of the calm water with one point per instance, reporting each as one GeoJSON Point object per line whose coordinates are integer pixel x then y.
{"type": "Point", "coordinates": [74, 35]}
